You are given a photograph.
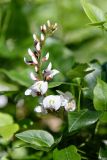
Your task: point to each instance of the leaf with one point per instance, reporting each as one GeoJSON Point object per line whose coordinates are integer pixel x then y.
{"type": "Point", "coordinates": [7, 126]}
{"type": "Point", "coordinates": [37, 139]}
{"type": "Point", "coordinates": [54, 84]}
{"type": "Point", "coordinates": [79, 120]}
{"type": "Point", "coordinates": [91, 79]}
{"type": "Point", "coordinates": [20, 76]}
{"type": "Point", "coordinates": [7, 131]}
{"type": "Point", "coordinates": [69, 153]}
{"type": "Point", "coordinates": [6, 87]}
{"type": "Point", "coordinates": [100, 96]}
{"type": "Point", "coordinates": [79, 71]}
{"type": "Point", "coordinates": [5, 119]}
{"type": "Point", "coordinates": [103, 153]}
{"type": "Point", "coordinates": [94, 13]}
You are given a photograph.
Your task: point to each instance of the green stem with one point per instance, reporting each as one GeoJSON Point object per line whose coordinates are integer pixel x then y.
{"type": "Point", "coordinates": [79, 97]}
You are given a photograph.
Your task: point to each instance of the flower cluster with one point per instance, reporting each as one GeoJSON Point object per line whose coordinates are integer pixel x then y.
{"type": "Point", "coordinates": [41, 77]}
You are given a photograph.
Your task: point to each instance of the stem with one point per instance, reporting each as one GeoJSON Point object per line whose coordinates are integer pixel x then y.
{"type": "Point", "coordinates": [79, 97]}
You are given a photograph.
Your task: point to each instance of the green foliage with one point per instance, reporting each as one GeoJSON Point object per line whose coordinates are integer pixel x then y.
{"type": "Point", "coordinates": [100, 96]}
{"type": "Point", "coordinates": [66, 153]}
{"type": "Point", "coordinates": [37, 139]}
{"type": "Point", "coordinates": [82, 119]}
{"type": "Point", "coordinates": [7, 126]}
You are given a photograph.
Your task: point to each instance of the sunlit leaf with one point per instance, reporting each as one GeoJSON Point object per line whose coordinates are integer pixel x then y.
{"type": "Point", "coordinates": [79, 120]}
{"type": "Point", "coordinates": [94, 13]}
{"type": "Point", "coordinates": [100, 96]}
{"type": "Point", "coordinates": [19, 76]}
{"type": "Point", "coordinates": [69, 153]}
{"type": "Point", "coordinates": [37, 139]}
{"type": "Point", "coordinates": [7, 87]}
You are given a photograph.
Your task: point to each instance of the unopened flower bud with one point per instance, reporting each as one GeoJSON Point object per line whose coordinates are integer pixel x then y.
{"type": "Point", "coordinates": [35, 37]}
{"type": "Point", "coordinates": [48, 23]}
{"type": "Point", "coordinates": [44, 27]}
{"type": "Point", "coordinates": [36, 68]}
{"type": "Point", "coordinates": [34, 59]}
{"type": "Point", "coordinates": [42, 37]}
{"type": "Point", "coordinates": [38, 47]}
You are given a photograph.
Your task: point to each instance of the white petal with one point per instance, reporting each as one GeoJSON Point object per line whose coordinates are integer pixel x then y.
{"type": "Point", "coordinates": [44, 88]}
{"type": "Point", "coordinates": [49, 67]}
{"type": "Point", "coordinates": [34, 60]}
{"type": "Point", "coordinates": [38, 46]}
{"type": "Point", "coordinates": [42, 37]}
{"type": "Point", "coordinates": [32, 56]}
{"type": "Point", "coordinates": [28, 92]}
{"type": "Point", "coordinates": [52, 102]}
{"type": "Point", "coordinates": [54, 72]}
{"type": "Point", "coordinates": [47, 56]}
{"type": "Point", "coordinates": [30, 52]}
{"type": "Point", "coordinates": [32, 76]}
{"type": "Point", "coordinates": [38, 109]}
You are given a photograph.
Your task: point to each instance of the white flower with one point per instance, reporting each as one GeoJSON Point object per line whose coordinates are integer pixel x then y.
{"type": "Point", "coordinates": [52, 102]}
{"type": "Point", "coordinates": [38, 88]}
{"type": "Point", "coordinates": [70, 106]}
{"type": "Point", "coordinates": [49, 73]}
{"type": "Point", "coordinates": [40, 109]}
{"type": "Point", "coordinates": [67, 101]}
{"type": "Point", "coordinates": [46, 57]}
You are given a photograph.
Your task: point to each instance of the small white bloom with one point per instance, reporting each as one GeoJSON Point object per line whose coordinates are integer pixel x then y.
{"type": "Point", "coordinates": [49, 73]}
{"type": "Point", "coordinates": [42, 37]}
{"type": "Point", "coordinates": [52, 102]}
{"type": "Point", "coordinates": [39, 87]}
{"type": "Point", "coordinates": [70, 106]}
{"type": "Point", "coordinates": [38, 46]}
{"type": "Point", "coordinates": [34, 59]}
{"type": "Point", "coordinates": [48, 23]}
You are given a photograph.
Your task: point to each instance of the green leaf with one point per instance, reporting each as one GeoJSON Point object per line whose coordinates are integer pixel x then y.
{"type": "Point", "coordinates": [37, 139]}
{"type": "Point", "coordinates": [100, 95]}
{"type": "Point", "coordinates": [69, 153]}
{"type": "Point", "coordinates": [94, 13]}
{"type": "Point", "coordinates": [79, 120]}
{"type": "Point", "coordinates": [103, 153]}
{"type": "Point", "coordinates": [7, 126]}
{"type": "Point", "coordinates": [91, 79]}
{"type": "Point", "coordinates": [54, 84]}
{"type": "Point", "coordinates": [20, 76]}
{"type": "Point", "coordinates": [79, 71]}
{"type": "Point", "coordinates": [7, 87]}
{"type": "Point", "coordinates": [5, 119]}
{"type": "Point", "coordinates": [7, 131]}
